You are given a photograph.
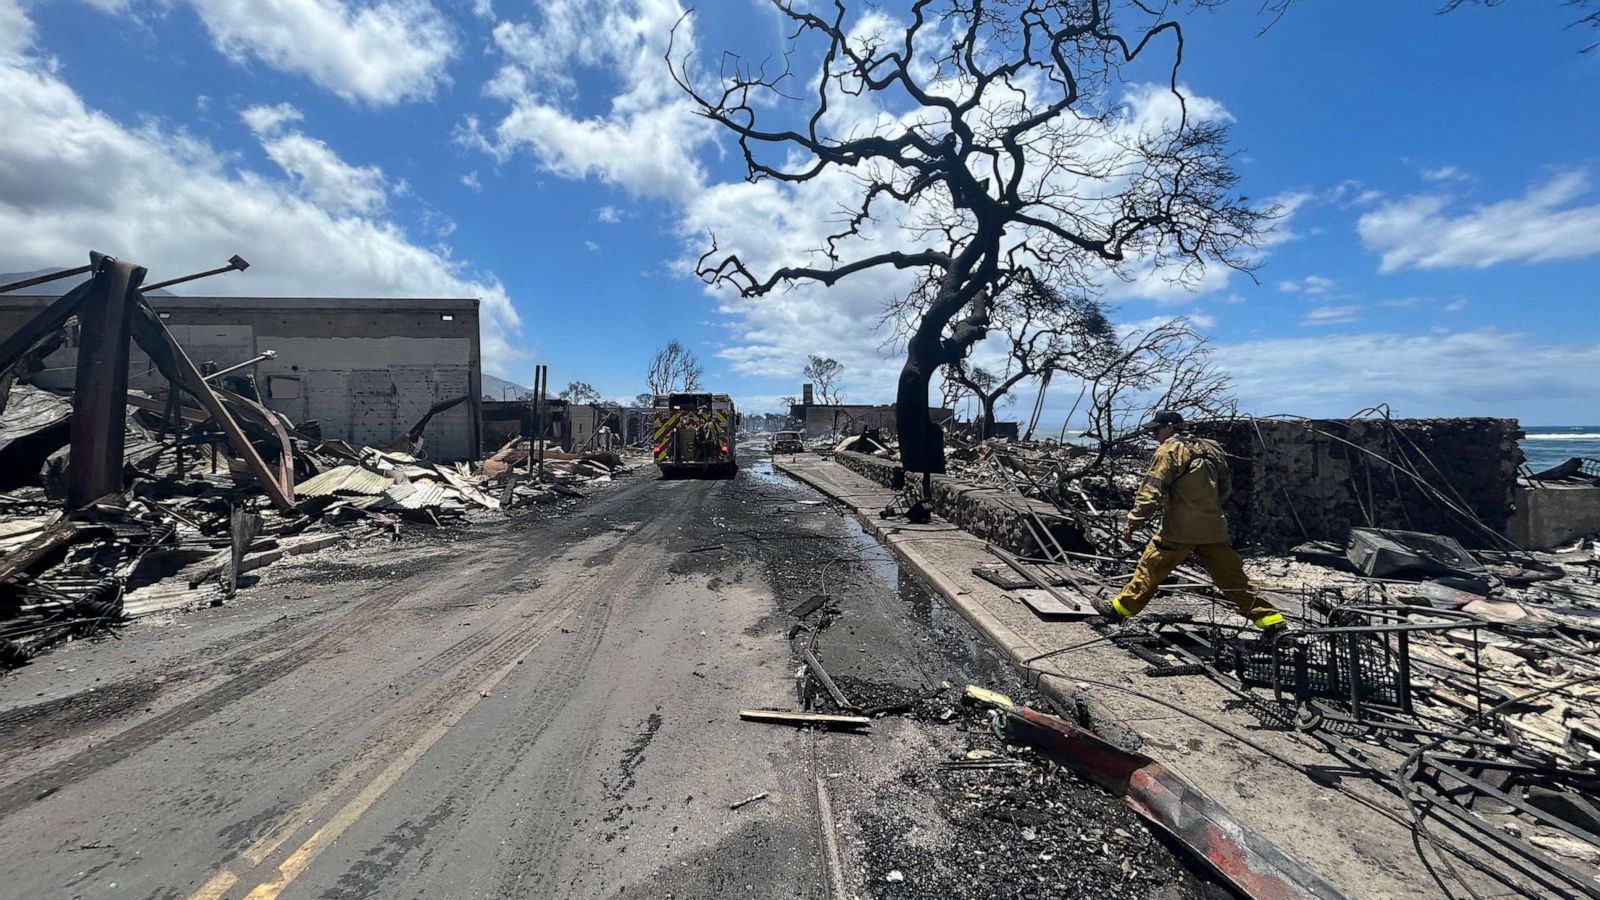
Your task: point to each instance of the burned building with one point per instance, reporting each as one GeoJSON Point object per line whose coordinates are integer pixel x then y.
{"type": "Point", "coordinates": [814, 418]}
{"type": "Point", "coordinates": [365, 370]}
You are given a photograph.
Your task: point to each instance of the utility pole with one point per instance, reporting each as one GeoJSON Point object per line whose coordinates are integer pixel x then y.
{"type": "Point", "coordinates": [541, 377]}
{"type": "Point", "coordinates": [544, 385]}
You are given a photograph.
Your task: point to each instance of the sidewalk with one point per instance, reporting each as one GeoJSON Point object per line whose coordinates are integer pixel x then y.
{"type": "Point", "coordinates": [1363, 845]}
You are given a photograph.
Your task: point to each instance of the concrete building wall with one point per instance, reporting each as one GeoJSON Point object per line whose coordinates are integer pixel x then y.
{"type": "Point", "coordinates": [1552, 515]}
{"type": "Point", "coordinates": [365, 369]}
{"type": "Point", "coordinates": [819, 419]}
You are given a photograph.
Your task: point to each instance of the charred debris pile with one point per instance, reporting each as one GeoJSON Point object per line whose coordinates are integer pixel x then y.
{"type": "Point", "coordinates": [119, 503]}
{"type": "Point", "coordinates": [1431, 655]}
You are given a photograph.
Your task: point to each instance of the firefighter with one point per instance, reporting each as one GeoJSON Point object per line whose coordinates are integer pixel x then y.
{"type": "Point", "coordinates": [1188, 481]}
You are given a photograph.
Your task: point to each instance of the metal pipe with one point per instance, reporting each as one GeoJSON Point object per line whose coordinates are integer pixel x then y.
{"type": "Point", "coordinates": [41, 279]}
{"type": "Point", "coordinates": [265, 355]}
{"type": "Point", "coordinates": [235, 263]}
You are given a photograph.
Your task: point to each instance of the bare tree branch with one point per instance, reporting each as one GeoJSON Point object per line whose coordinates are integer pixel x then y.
{"type": "Point", "coordinates": [1003, 146]}
{"type": "Point", "coordinates": [823, 372]}
{"type": "Point", "coordinates": [674, 369]}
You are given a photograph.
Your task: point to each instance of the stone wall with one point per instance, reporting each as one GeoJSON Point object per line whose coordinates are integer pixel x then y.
{"type": "Point", "coordinates": [885, 472]}
{"type": "Point", "coordinates": [1000, 517]}
{"type": "Point", "coordinates": [1315, 479]}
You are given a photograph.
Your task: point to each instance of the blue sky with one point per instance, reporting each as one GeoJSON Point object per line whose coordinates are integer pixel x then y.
{"type": "Point", "coordinates": [1441, 175]}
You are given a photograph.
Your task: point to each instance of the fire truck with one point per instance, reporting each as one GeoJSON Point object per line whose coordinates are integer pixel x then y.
{"type": "Point", "coordinates": [695, 433]}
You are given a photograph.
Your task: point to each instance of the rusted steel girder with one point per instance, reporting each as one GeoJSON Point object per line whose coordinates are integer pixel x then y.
{"type": "Point", "coordinates": [1248, 861]}
{"type": "Point", "coordinates": [99, 399]}
{"type": "Point", "coordinates": [39, 328]}
{"type": "Point", "coordinates": [169, 357]}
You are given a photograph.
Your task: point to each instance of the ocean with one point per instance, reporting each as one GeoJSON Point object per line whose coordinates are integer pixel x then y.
{"type": "Point", "coordinates": [1550, 445]}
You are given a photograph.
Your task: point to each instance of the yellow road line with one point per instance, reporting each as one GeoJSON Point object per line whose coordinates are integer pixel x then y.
{"type": "Point", "coordinates": [216, 887]}
{"type": "Point", "coordinates": [302, 858]}
{"type": "Point", "coordinates": [306, 853]}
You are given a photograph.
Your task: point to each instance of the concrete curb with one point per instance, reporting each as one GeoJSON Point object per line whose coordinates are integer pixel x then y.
{"type": "Point", "coordinates": [1072, 702]}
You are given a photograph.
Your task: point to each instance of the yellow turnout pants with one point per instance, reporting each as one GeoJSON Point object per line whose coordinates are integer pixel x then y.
{"type": "Point", "coordinates": [1222, 561]}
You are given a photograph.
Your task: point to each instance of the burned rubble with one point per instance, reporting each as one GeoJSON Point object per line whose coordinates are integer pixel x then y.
{"type": "Point", "coordinates": [1431, 653]}
{"type": "Point", "coordinates": [169, 505]}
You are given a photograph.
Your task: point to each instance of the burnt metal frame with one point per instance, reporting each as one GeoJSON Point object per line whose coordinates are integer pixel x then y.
{"type": "Point", "coordinates": [1543, 868]}
{"type": "Point", "coordinates": [1534, 863]}
{"type": "Point", "coordinates": [1401, 628]}
{"type": "Point", "coordinates": [114, 310]}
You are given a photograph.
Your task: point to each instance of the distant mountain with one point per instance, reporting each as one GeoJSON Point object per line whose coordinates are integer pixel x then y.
{"type": "Point", "coordinates": [501, 389]}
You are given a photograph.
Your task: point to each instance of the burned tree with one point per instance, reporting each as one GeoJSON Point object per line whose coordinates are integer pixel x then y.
{"type": "Point", "coordinates": [986, 139]}
{"type": "Point", "coordinates": [1045, 332]}
{"type": "Point", "coordinates": [580, 392]}
{"type": "Point", "coordinates": [823, 372]}
{"type": "Point", "coordinates": [1168, 366]}
{"type": "Point", "coordinates": [674, 368]}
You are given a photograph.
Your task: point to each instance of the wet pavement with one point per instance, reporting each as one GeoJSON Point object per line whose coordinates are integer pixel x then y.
{"type": "Point", "coordinates": [546, 706]}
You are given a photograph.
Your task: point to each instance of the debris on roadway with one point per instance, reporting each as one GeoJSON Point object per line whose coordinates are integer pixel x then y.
{"type": "Point", "coordinates": [192, 497]}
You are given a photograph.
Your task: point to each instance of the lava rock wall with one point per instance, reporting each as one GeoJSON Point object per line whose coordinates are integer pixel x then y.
{"type": "Point", "coordinates": [998, 516]}
{"type": "Point", "coordinates": [1315, 479]}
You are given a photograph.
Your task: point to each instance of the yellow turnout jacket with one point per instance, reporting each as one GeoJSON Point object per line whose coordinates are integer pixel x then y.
{"type": "Point", "coordinates": [1188, 482]}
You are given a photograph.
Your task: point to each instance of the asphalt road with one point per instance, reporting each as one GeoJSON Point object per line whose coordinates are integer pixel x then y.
{"type": "Point", "coordinates": [540, 707]}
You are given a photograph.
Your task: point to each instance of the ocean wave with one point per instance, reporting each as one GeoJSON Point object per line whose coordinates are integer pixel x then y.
{"type": "Point", "coordinates": [1570, 436]}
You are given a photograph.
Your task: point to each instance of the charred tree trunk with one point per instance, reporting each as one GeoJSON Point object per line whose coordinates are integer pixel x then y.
{"type": "Point", "coordinates": [921, 441]}
{"type": "Point", "coordinates": [988, 414]}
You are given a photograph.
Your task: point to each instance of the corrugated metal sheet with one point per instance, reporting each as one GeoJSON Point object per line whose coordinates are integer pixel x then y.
{"type": "Point", "coordinates": [416, 495]}
{"type": "Point", "coordinates": [344, 480]}
{"type": "Point", "coordinates": [29, 411]}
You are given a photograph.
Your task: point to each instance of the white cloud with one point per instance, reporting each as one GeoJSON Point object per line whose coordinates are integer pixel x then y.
{"type": "Point", "coordinates": [1424, 232]}
{"type": "Point", "coordinates": [1164, 285]}
{"type": "Point", "coordinates": [608, 214]}
{"type": "Point", "coordinates": [1456, 305]}
{"type": "Point", "coordinates": [1445, 173]}
{"type": "Point", "coordinates": [266, 120]}
{"type": "Point", "coordinates": [1310, 285]}
{"type": "Point", "coordinates": [73, 179]}
{"type": "Point", "coordinates": [1332, 315]}
{"type": "Point", "coordinates": [373, 52]}
{"type": "Point", "coordinates": [646, 139]}
{"type": "Point", "coordinates": [321, 175]}
{"type": "Point", "coordinates": [470, 182]}
{"type": "Point", "coordinates": [1200, 320]}
{"type": "Point", "coordinates": [593, 247]}
{"type": "Point", "coordinates": [16, 29]}
{"type": "Point", "coordinates": [327, 180]}
{"type": "Point", "coordinates": [1432, 374]}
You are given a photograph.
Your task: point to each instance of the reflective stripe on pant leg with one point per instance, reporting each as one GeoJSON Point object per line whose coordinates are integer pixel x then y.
{"type": "Point", "coordinates": [1227, 571]}
{"type": "Point", "coordinates": [1155, 564]}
